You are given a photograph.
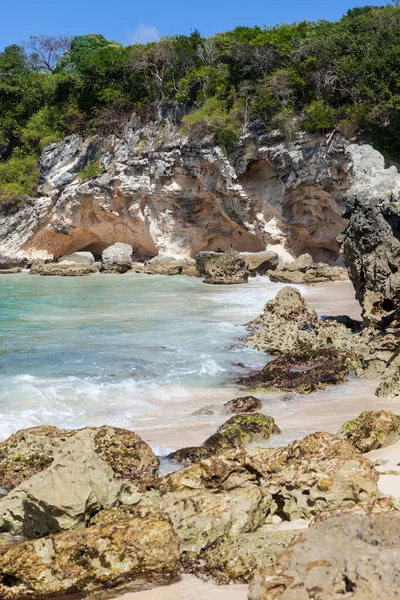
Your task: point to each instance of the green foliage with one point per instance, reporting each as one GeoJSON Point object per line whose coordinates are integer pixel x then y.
{"type": "Point", "coordinates": [19, 176]}
{"type": "Point", "coordinates": [320, 116]}
{"type": "Point", "coordinates": [213, 118]}
{"type": "Point", "coordinates": [92, 170]}
{"type": "Point", "coordinates": [343, 74]}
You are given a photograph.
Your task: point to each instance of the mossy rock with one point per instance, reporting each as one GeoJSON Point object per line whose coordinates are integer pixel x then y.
{"type": "Point", "coordinates": [240, 430]}
{"type": "Point", "coordinates": [372, 430]}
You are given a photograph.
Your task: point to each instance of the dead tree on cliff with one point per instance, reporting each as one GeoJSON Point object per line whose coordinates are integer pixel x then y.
{"type": "Point", "coordinates": [46, 50]}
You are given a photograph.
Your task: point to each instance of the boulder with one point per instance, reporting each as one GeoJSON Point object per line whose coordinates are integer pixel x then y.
{"type": "Point", "coordinates": [236, 560]}
{"type": "Point", "coordinates": [163, 264]}
{"type": "Point", "coordinates": [240, 430]}
{"type": "Point", "coordinates": [245, 404]}
{"type": "Point", "coordinates": [127, 555]}
{"type": "Point", "coordinates": [30, 451]}
{"type": "Point", "coordinates": [302, 263]}
{"type": "Point", "coordinates": [258, 263]}
{"type": "Point", "coordinates": [117, 258]}
{"type": "Point", "coordinates": [222, 268]}
{"type": "Point", "coordinates": [346, 556]}
{"type": "Point", "coordinates": [317, 273]}
{"type": "Point", "coordinates": [78, 258]}
{"type": "Point", "coordinates": [303, 374]}
{"type": "Point", "coordinates": [289, 326]}
{"type": "Point", "coordinates": [372, 430]}
{"type": "Point", "coordinates": [64, 269]}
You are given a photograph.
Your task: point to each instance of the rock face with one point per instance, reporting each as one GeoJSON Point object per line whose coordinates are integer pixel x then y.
{"type": "Point", "coordinates": [222, 268]}
{"type": "Point", "coordinates": [161, 192]}
{"type": "Point", "coordinates": [372, 430]}
{"type": "Point", "coordinates": [117, 258]}
{"type": "Point", "coordinates": [289, 326]}
{"type": "Point", "coordinates": [238, 431]}
{"type": "Point", "coordinates": [131, 554]}
{"type": "Point", "coordinates": [371, 251]}
{"type": "Point", "coordinates": [345, 556]}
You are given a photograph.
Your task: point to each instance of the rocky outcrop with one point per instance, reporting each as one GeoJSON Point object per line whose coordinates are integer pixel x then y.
{"type": "Point", "coordinates": [371, 251]}
{"type": "Point", "coordinates": [303, 374]}
{"type": "Point", "coordinates": [345, 556]}
{"type": "Point", "coordinates": [244, 404]}
{"type": "Point", "coordinates": [305, 272]}
{"type": "Point", "coordinates": [129, 554]}
{"type": "Point", "coordinates": [160, 192]}
{"type": "Point", "coordinates": [238, 431]}
{"type": "Point", "coordinates": [63, 269]}
{"type": "Point", "coordinates": [289, 326]}
{"type": "Point", "coordinates": [117, 258]}
{"type": "Point", "coordinates": [222, 267]}
{"type": "Point", "coordinates": [372, 430]}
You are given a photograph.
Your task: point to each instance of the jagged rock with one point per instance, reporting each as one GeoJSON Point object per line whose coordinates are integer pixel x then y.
{"type": "Point", "coordinates": [371, 252]}
{"type": "Point", "coordinates": [345, 556]}
{"type": "Point", "coordinates": [289, 326]}
{"type": "Point", "coordinates": [258, 263]}
{"type": "Point", "coordinates": [372, 430]}
{"type": "Point", "coordinates": [80, 258]}
{"type": "Point", "coordinates": [245, 404]}
{"type": "Point", "coordinates": [238, 431]}
{"type": "Point", "coordinates": [30, 451]}
{"type": "Point", "coordinates": [10, 271]}
{"type": "Point", "coordinates": [117, 258]}
{"type": "Point", "coordinates": [170, 265]}
{"type": "Point", "coordinates": [303, 374]}
{"type": "Point", "coordinates": [127, 555]}
{"type": "Point", "coordinates": [236, 560]}
{"type": "Point", "coordinates": [222, 268]}
{"type": "Point", "coordinates": [64, 269]}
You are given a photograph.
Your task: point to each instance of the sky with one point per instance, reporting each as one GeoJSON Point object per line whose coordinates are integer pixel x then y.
{"type": "Point", "coordinates": [131, 21]}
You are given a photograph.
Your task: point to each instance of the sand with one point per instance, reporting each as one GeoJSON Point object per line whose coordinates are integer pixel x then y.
{"type": "Point", "coordinates": [325, 411]}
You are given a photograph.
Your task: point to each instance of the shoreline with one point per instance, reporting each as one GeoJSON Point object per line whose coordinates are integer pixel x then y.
{"type": "Point", "coordinates": [310, 413]}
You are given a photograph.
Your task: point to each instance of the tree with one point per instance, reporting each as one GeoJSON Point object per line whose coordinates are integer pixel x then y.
{"type": "Point", "coordinates": [45, 51]}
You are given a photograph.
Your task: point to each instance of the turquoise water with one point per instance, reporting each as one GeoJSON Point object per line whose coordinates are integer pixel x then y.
{"type": "Point", "coordinates": [115, 349]}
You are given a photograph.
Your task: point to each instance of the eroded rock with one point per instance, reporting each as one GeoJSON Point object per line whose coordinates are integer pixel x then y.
{"type": "Point", "coordinates": [345, 556]}
{"type": "Point", "coordinates": [127, 555]}
{"type": "Point", "coordinates": [372, 430]}
{"type": "Point", "coordinates": [222, 268]}
{"type": "Point", "coordinates": [170, 265]}
{"type": "Point", "coordinates": [63, 269]}
{"type": "Point", "coordinates": [259, 263]}
{"type": "Point", "coordinates": [244, 404]}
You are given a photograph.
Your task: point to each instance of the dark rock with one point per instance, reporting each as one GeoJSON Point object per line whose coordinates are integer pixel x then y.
{"type": "Point", "coordinates": [303, 374]}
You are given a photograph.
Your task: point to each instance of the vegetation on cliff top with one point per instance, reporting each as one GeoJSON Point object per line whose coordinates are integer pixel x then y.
{"type": "Point", "coordinates": [311, 75]}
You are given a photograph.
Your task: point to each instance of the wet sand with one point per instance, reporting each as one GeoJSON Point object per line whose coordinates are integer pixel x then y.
{"type": "Point", "coordinates": [325, 411]}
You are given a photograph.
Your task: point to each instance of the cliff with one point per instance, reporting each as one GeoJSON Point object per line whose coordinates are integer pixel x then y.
{"type": "Point", "coordinates": [160, 191]}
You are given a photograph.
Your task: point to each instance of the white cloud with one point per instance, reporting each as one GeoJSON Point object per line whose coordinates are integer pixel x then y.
{"type": "Point", "coordinates": [144, 34]}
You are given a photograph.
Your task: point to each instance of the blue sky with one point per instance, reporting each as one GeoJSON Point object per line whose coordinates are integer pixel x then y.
{"type": "Point", "coordinates": [128, 21]}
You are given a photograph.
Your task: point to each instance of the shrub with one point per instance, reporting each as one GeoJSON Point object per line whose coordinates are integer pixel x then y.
{"type": "Point", "coordinates": [92, 170]}
{"type": "Point", "coordinates": [214, 119]}
{"type": "Point", "coordinates": [320, 116]}
{"type": "Point", "coordinates": [19, 177]}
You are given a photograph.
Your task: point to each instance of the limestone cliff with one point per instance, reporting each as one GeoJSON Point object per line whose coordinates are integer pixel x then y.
{"type": "Point", "coordinates": [159, 191]}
